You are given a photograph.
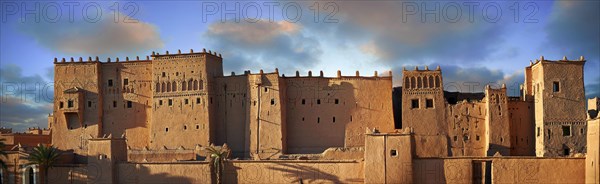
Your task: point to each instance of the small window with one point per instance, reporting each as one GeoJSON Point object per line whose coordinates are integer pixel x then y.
{"type": "Point", "coordinates": [538, 131]}
{"type": "Point", "coordinates": [303, 101]}
{"type": "Point", "coordinates": [184, 127]}
{"type": "Point", "coordinates": [114, 103]}
{"type": "Point", "coordinates": [555, 87]}
{"type": "Point", "coordinates": [110, 83]}
{"type": "Point", "coordinates": [197, 127]}
{"type": "Point", "coordinates": [429, 103]}
{"type": "Point", "coordinates": [337, 101]}
{"type": "Point", "coordinates": [393, 153]}
{"type": "Point", "coordinates": [70, 103]}
{"type": "Point", "coordinates": [318, 101]}
{"type": "Point", "coordinates": [186, 101]}
{"type": "Point", "coordinates": [61, 105]}
{"type": "Point", "coordinates": [415, 103]}
{"type": "Point", "coordinates": [125, 82]}
{"type": "Point", "coordinates": [164, 74]}
{"type": "Point", "coordinates": [566, 130]}
{"type": "Point", "coordinates": [318, 120]}
{"type": "Point", "coordinates": [129, 104]}
{"type": "Point", "coordinates": [334, 119]}
{"type": "Point", "coordinates": [266, 89]}
{"type": "Point", "coordinates": [166, 129]}
{"type": "Point", "coordinates": [210, 100]}
{"type": "Point", "coordinates": [170, 102]}
{"type": "Point", "coordinates": [455, 138]}
{"type": "Point", "coordinates": [477, 137]}
{"type": "Point", "coordinates": [197, 100]}
{"type": "Point", "coordinates": [302, 118]}
{"type": "Point", "coordinates": [89, 103]}
{"type": "Point", "coordinates": [566, 152]}
{"type": "Point", "coordinates": [159, 102]}
{"type": "Point", "coordinates": [581, 131]}
{"type": "Point", "coordinates": [272, 101]}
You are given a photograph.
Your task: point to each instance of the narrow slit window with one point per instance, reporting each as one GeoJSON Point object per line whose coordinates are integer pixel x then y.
{"type": "Point", "coordinates": [555, 87]}
{"type": "Point", "coordinates": [129, 104]}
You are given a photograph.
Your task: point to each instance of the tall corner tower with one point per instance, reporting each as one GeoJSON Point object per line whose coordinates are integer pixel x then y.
{"type": "Point", "coordinates": [559, 101]}
{"type": "Point", "coordinates": [423, 103]}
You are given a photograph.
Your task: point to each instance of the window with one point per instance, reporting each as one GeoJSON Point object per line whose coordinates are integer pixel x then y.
{"type": "Point", "coordinates": [184, 127]}
{"type": "Point", "coordinates": [160, 102]}
{"type": "Point", "coordinates": [197, 127]}
{"type": "Point", "coordinates": [415, 103]}
{"type": "Point", "coordinates": [186, 101]}
{"type": "Point", "coordinates": [538, 131]}
{"type": "Point", "coordinates": [455, 138]}
{"type": "Point", "coordinates": [555, 87]}
{"type": "Point", "coordinates": [266, 89]}
{"type": "Point", "coordinates": [129, 104]}
{"type": "Point", "coordinates": [110, 83]}
{"type": "Point", "coordinates": [337, 101]}
{"type": "Point", "coordinates": [170, 102]}
{"type": "Point", "coordinates": [428, 103]}
{"type": "Point", "coordinates": [334, 119]}
{"type": "Point", "coordinates": [318, 120]}
{"type": "Point", "coordinates": [166, 129]}
{"type": "Point", "coordinates": [581, 131]}
{"type": "Point", "coordinates": [125, 82]}
{"type": "Point", "coordinates": [393, 153]}
{"type": "Point", "coordinates": [566, 151]}
{"type": "Point", "coordinates": [164, 74]}
{"type": "Point", "coordinates": [318, 101]}
{"type": "Point", "coordinates": [272, 101]}
{"type": "Point", "coordinates": [477, 137]}
{"type": "Point", "coordinates": [566, 130]}
{"type": "Point", "coordinates": [197, 100]}
{"type": "Point", "coordinates": [70, 103]}
{"type": "Point", "coordinates": [61, 105]}
{"type": "Point", "coordinates": [303, 101]}
{"type": "Point", "coordinates": [302, 118]}
{"type": "Point", "coordinates": [89, 103]}
{"type": "Point", "coordinates": [114, 103]}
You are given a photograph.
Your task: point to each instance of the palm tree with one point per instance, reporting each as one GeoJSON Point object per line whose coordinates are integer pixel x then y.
{"type": "Point", "coordinates": [2, 154]}
{"type": "Point", "coordinates": [218, 155]}
{"type": "Point", "coordinates": [45, 157]}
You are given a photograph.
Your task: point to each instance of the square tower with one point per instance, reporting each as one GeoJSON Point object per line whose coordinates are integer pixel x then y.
{"type": "Point", "coordinates": [423, 103]}
{"type": "Point", "coordinates": [559, 103]}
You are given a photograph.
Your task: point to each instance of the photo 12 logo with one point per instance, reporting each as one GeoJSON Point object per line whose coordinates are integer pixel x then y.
{"type": "Point", "coordinates": [253, 12]}
{"type": "Point", "coordinates": [53, 12]}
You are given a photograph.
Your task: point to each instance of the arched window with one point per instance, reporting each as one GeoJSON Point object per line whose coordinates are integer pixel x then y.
{"type": "Point", "coordinates": [425, 83]}
{"type": "Point", "coordinates": [201, 85]}
{"type": "Point", "coordinates": [29, 175]}
{"type": "Point", "coordinates": [183, 85]}
{"type": "Point", "coordinates": [437, 81]}
{"type": "Point", "coordinates": [497, 99]}
{"type": "Point", "coordinates": [190, 85]}
{"type": "Point", "coordinates": [163, 87]}
{"type": "Point", "coordinates": [195, 85]}
{"type": "Point", "coordinates": [431, 81]}
{"type": "Point", "coordinates": [406, 82]}
{"type": "Point", "coordinates": [419, 82]}
{"type": "Point", "coordinates": [157, 87]}
{"type": "Point", "coordinates": [174, 86]}
{"type": "Point", "coordinates": [168, 86]}
{"type": "Point", "coordinates": [412, 82]}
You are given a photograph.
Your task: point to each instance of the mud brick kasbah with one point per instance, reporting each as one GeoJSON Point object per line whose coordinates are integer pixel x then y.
{"type": "Point", "coordinates": [149, 120]}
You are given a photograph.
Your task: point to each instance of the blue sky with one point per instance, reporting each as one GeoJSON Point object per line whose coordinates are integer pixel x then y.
{"type": "Point", "coordinates": [475, 43]}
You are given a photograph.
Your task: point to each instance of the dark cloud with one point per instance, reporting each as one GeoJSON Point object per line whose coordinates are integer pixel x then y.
{"type": "Point", "coordinates": [471, 79]}
{"type": "Point", "coordinates": [385, 30]}
{"type": "Point", "coordinates": [103, 38]}
{"type": "Point", "coordinates": [25, 101]}
{"type": "Point", "coordinates": [263, 45]}
{"type": "Point", "coordinates": [574, 28]}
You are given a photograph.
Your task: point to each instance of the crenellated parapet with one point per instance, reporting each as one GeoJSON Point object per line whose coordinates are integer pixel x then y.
{"type": "Point", "coordinates": [97, 60]}
{"type": "Point", "coordinates": [204, 52]}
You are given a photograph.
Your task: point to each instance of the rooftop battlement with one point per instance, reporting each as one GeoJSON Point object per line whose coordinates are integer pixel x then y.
{"type": "Point", "coordinates": [310, 75]}
{"type": "Point", "coordinates": [179, 53]}
{"type": "Point", "coordinates": [564, 60]}
{"type": "Point", "coordinates": [97, 60]}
